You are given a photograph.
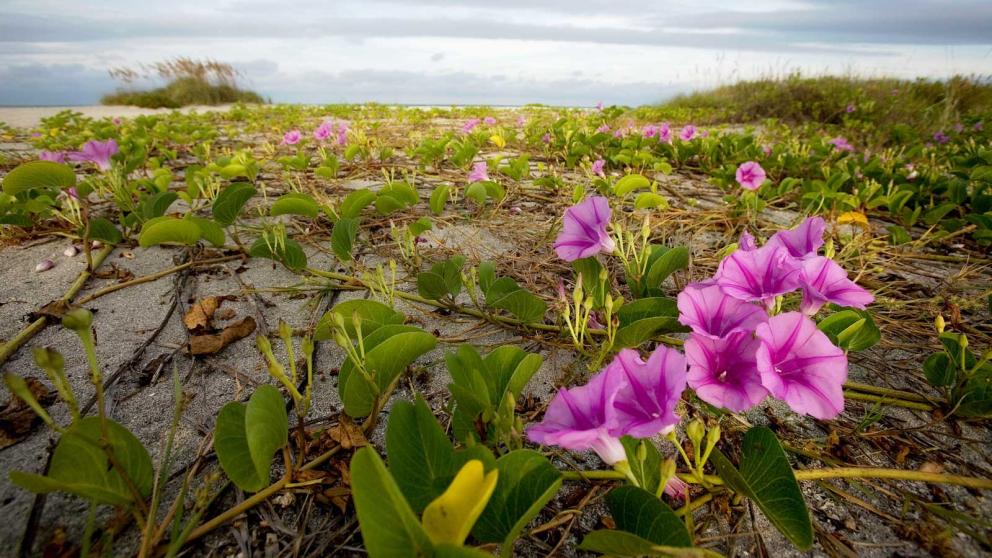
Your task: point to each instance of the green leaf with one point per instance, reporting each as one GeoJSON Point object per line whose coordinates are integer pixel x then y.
{"type": "Point", "coordinates": [767, 479]}
{"type": "Point", "coordinates": [291, 254]}
{"type": "Point", "coordinates": [650, 200]}
{"type": "Point", "coordinates": [245, 437]}
{"type": "Point", "coordinates": [617, 543]}
{"type": "Point", "coordinates": [209, 230]}
{"type": "Point", "coordinates": [477, 192]}
{"type": "Point", "coordinates": [389, 527]}
{"type": "Point", "coordinates": [443, 280]}
{"type": "Point", "coordinates": [507, 295]}
{"type": "Point", "coordinates": [230, 201]}
{"type": "Point", "coordinates": [439, 198]}
{"type": "Point", "coordinates": [343, 237]}
{"type": "Point", "coordinates": [155, 205]}
{"type": "Point", "coordinates": [80, 465]}
{"type": "Point", "coordinates": [851, 330]}
{"type": "Point", "coordinates": [527, 481]}
{"type": "Point", "coordinates": [630, 183]}
{"type": "Point", "coordinates": [639, 512]}
{"type": "Point", "coordinates": [372, 313]}
{"type": "Point", "coordinates": [511, 368]}
{"type": "Point", "coordinates": [103, 229]}
{"type": "Point", "coordinates": [353, 204]}
{"type": "Point", "coordinates": [388, 351]}
{"type": "Point", "coordinates": [663, 262]}
{"type": "Point", "coordinates": [939, 370]}
{"type": "Point", "coordinates": [165, 230]}
{"type": "Point", "coordinates": [645, 319]}
{"type": "Point", "coordinates": [38, 174]}
{"type": "Point", "coordinates": [295, 203]}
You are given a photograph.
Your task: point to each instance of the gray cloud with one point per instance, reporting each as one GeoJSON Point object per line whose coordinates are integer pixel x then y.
{"type": "Point", "coordinates": [52, 84]}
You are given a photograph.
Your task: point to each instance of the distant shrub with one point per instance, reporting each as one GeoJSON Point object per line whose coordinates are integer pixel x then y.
{"type": "Point", "coordinates": [883, 108]}
{"type": "Point", "coordinates": [190, 82]}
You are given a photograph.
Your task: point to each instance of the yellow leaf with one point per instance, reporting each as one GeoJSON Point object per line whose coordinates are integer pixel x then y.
{"type": "Point", "coordinates": [853, 217]}
{"type": "Point", "coordinates": [450, 517]}
{"type": "Point", "coordinates": [498, 141]}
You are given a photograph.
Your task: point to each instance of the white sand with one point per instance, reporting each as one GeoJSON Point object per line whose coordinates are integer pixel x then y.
{"type": "Point", "coordinates": [29, 117]}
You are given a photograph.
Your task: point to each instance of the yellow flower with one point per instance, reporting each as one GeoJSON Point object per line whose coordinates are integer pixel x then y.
{"type": "Point", "coordinates": [853, 217]}
{"type": "Point", "coordinates": [498, 141]}
{"type": "Point", "coordinates": [450, 517]}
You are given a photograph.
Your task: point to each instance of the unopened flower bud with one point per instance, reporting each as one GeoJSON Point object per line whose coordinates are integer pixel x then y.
{"type": "Point", "coordinates": [939, 323]}
{"type": "Point", "coordinates": [79, 319]}
{"type": "Point", "coordinates": [695, 430]}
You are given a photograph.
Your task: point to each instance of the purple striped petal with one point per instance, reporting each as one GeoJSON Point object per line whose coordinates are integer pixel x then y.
{"type": "Point", "coordinates": [723, 372]}
{"type": "Point", "coordinates": [758, 275]}
{"type": "Point", "coordinates": [711, 312]}
{"type": "Point", "coordinates": [824, 281]}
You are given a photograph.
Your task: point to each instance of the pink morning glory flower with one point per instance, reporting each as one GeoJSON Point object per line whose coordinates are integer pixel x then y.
{"type": "Point", "coordinates": [603, 129]}
{"type": "Point", "coordinates": [489, 121]}
{"type": "Point", "coordinates": [850, 108]}
{"type": "Point", "coordinates": [470, 125]}
{"type": "Point", "coordinates": [688, 132]}
{"type": "Point", "coordinates": [479, 172]}
{"type": "Point", "coordinates": [747, 242]}
{"type": "Point", "coordinates": [343, 132]}
{"type": "Point", "coordinates": [824, 281]}
{"type": "Point", "coordinates": [618, 133]}
{"type": "Point", "coordinates": [676, 488]}
{"type": "Point", "coordinates": [665, 133]}
{"type": "Point", "coordinates": [841, 144]}
{"type": "Point", "coordinates": [323, 131]}
{"type": "Point", "coordinates": [584, 232]}
{"type": "Point", "coordinates": [546, 138]}
{"type": "Point", "coordinates": [710, 312]}
{"type": "Point", "coordinates": [581, 419]}
{"type": "Point", "coordinates": [96, 152]}
{"type": "Point", "coordinates": [750, 175]}
{"type": "Point", "coordinates": [759, 275]}
{"type": "Point", "coordinates": [941, 138]}
{"type": "Point", "coordinates": [724, 372]}
{"type": "Point", "coordinates": [597, 167]}
{"type": "Point", "coordinates": [650, 131]}
{"type": "Point", "coordinates": [804, 240]}
{"type": "Point", "coordinates": [53, 156]}
{"type": "Point", "coordinates": [521, 121]}
{"type": "Point", "coordinates": [799, 365]}
{"type": "Point", "coordinates": [645, 403]}
{"type": "Point", "coordinates": [291, 137]}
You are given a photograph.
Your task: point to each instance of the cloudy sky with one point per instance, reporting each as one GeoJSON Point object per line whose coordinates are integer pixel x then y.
{"type": "Point", "coordinates": [570, 52]}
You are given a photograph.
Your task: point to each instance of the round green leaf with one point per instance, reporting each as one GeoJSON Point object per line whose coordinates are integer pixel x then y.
{"type": "Point", "coordinates": [38, 174]}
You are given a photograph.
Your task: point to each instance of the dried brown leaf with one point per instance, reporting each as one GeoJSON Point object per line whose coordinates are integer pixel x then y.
{"type": "Point", "coordinates": [212, 343]}
{"type": "Point", "coordinates": [199, 316]}
{"type": "Point", "coordinates": [17, 420]}
{"type": "Point", "coordinates": [347, 433]}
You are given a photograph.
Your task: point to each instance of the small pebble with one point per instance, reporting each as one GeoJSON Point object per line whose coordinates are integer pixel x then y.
{"type": "Point", "coordinates": [44, 265]}
{"type": "Point", "coordinates": [71, 251]}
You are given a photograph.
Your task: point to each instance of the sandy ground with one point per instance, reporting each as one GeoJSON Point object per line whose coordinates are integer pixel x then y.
{"type": "Point", "coordinates": [29, 117]}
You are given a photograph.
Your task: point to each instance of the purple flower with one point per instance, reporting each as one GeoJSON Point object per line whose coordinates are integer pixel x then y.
{"type": "Point", "coordinates": [712, 313]}
{"type": "Point", "coordinates": [521, 121]}
{"type": "Point", "coordinates": [650, 131]}
{"type": "Point", "coordinates": [688, 132]}
{"type": "Point", "coordinates": [824, 281]}
{"type": "Point", "coordinates": [645, 403]}
{"type": "Point", "coordinates": [841, 144]}
{"type": "Point", "coordinates": [676, 488]}
{"type": "Point", "coordinates": [96, 152]}
{"type": "Point", "coordinates": [802, 241]}
{"type": "Point", "coordinates": [489, 121]}
{"type": "Point", "coordinates": [665, 133]}
{"type": "Point", "coordinates": [603, 128]}
{"type": "Point", "coordinates": [758, 275]}
{"type": "Point", "coordinates": [618, 133]}
{"type": "Point", "coordinates": [581, 418]}
{"type": "Point", "coordinates": [746, 242]}
{"type": "Point", "coordinates": [799, 365]}
{"type": "Point", "coordinates": [323, 131]}
{"type": "Point", "coordinates": [479, 172]}
{"type": "Point", "coordinates": [750, 175]}
{"type": "Point", "coordinates": [343, 133]}
{"type": "Point", "coordinates": [724, 372]}
{"type": "Point", "coordinates": [584, 232]}
{"type": "Point", "coordinates": [546, 138]}
{"type": "Point", "coordinates": [767, 150]}
{"type": "Point", "coordinates": [53, 156]}
{"type": "Point", "coordinates": [291, 137]}
{"type": "Point", "coordinates": [599, 105]}
{"type": "Point", "coordinates": [597, 167]}
{"type": "Point", "coordinates": [470, 125]}
{"type": "Point", "coordinates": [941, 138]}
{"type": "Point", "coordinates": [850, 108]}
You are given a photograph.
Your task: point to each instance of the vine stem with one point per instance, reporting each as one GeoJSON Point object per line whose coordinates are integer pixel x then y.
{"type": "Point", "coordinates": [237, 510]}
{"type": "Point", "coordinates": [835, 473]}
{"type": "Point", "coordinates": [10, 347]}
{"type": "Point", "coordinates": [152, 277]}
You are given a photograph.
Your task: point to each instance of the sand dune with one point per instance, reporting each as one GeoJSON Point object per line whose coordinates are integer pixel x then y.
{"type": "Point", "coordinates": [28, 117]}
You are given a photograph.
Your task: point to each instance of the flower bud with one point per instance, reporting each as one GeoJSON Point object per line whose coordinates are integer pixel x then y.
{"type": "Point", "coordinates": [642, 451]}
{"type": "Point", "coordinates": [713, 436]}
{"type": "Point", "coordinates": [939, 323]}
{"type": "Point", "coordinates": [695, 430]}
